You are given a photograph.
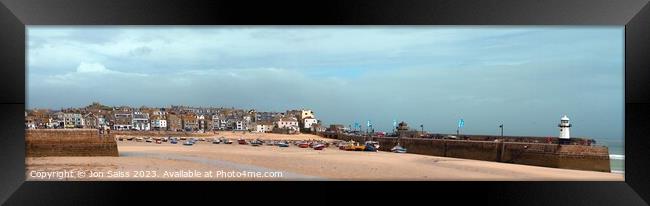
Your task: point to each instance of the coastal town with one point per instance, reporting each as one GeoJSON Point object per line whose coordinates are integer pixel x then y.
{"type": "Point", "coordinates": [176, 119]}
{"type": "Point", "coordinates": [105, 139]}
{"type": "Point", "coordinates": [301, 102]}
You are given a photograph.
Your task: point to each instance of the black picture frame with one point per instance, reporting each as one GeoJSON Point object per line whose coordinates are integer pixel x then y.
{"type": "Point", "coordinates": [633, 14]}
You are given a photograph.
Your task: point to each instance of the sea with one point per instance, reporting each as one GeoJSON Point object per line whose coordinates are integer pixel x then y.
{"type": "Point", "coordinates": [616, 153]}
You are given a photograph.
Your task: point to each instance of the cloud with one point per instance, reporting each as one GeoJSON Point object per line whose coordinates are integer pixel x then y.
{"type": "Point", "coordinates": [88, 75]}
{"type": "Point", "coordinates": [524, 77]}
{"type": "Point", "coordinates": [140, 51]}
{"type": "Point", "coordinates": [92, 68]}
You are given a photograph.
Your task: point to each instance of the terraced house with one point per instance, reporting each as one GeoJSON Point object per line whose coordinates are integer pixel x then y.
{"type": "Point", "coordinates": [158, 122]}
{"type": "Point", "coordinates": [122, 121]}
{"type": "Point", "coordinates": [174, 123]}
{"type": "Point", "coordinates": [190, 122]}
{"type": "Point", "coordinates": [140, 121]}
{"type": "Point", "coordinates": [174, 118]}
{"type": "Point", "coordinates": [73, 120]}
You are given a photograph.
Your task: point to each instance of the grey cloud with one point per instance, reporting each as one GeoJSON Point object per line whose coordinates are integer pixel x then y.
{"type": "Point", "coordinates": [140, 51]}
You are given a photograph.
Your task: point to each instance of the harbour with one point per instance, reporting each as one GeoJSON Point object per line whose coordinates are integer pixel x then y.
{"type": "Point", "coordinates": [294, 163]}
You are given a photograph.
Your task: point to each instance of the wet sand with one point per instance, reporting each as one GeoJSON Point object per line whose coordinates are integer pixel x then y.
{"type": "Point", "coordinates": [294, 163]}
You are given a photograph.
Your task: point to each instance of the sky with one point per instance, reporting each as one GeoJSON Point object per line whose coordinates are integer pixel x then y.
{"type": "Point", "coordinates": [525, 78]}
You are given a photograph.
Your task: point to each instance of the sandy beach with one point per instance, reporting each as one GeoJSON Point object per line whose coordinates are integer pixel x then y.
{"type": "Point", "coordinates": [214, 162]}
{"type": "Point", "coordinates": [251, 135]}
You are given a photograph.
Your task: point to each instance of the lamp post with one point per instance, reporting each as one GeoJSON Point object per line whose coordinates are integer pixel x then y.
{"type": "Point", "coordinates": [368, 127]}
{"type": "Point", "coordinates": [461, 123]}
{"type": "Point", "coordinates": [501, 126]}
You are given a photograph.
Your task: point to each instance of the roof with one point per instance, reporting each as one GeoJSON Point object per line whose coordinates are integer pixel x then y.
{"type": "Point", "coordinates": [564, 117]}
{"type": "Point", "coordinates": [287, 119]}
{"type": "Point", "coordinates": [264, 123]}
{"type": "Point", "coordinates": [141, 116]}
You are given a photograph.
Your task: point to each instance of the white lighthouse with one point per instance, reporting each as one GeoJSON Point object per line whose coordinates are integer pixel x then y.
{"type": "Point", "coordinates": [564, 128]}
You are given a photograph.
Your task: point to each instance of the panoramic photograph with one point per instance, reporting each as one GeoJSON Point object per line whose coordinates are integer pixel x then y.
{"type": "Point", "coordinates": [323, 103]}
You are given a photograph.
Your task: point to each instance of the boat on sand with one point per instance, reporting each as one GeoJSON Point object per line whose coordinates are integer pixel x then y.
{"type": "Point", "coordinates": [226, 141]}
{"type": "Point", "coordinates": [374, 144]}
{"type": "Point", "coordinates": [256, 143]}
{"type": "Point", "coordinates": [216, 141]}
{"type": "Point", "coordinates": [283, 144]}
{"type": "Point", "coordinates": [398, 149]}
{"type": "Point", "coordinates": [242, 141]}
{"type": "Point", "coordinates": [319, 147]}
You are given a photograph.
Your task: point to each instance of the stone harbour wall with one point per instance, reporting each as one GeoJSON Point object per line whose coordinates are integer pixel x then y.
{"type": "Point", "coordinates": [69, 142]}
{"type": "Point", "coordinates": [579, 157]}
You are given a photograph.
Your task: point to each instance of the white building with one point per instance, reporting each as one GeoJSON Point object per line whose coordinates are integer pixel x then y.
{"type": "Point", "coordinates": [241, 125]}
{"type": "Point", "coordinates": [101, 122]}
{"type": "Point", "coordinates": [29, 123]}
{"type": "Point", "coordinates": [287, 122]}
{"type": "Point", "coordinates": [263, 127]}
{"type": "Point", "coordinates": [140, 121]}
{"type": "Point", "coordinates": [308, 122]}
{"type": "Point", "coordinates": [73, 120]}
{"type": "Point", "coordinates": [159, 124]}
{"type": "Point", "coordinates": [219, 123]}
{"type": "Point", "coordinates": [306, 113]}
{"type": "Point", "coordinates": [564, 128]}
{"type": "Point", "coordinates": [204, 122]}
{"type": "Point", "coordinates": [53, 123]}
